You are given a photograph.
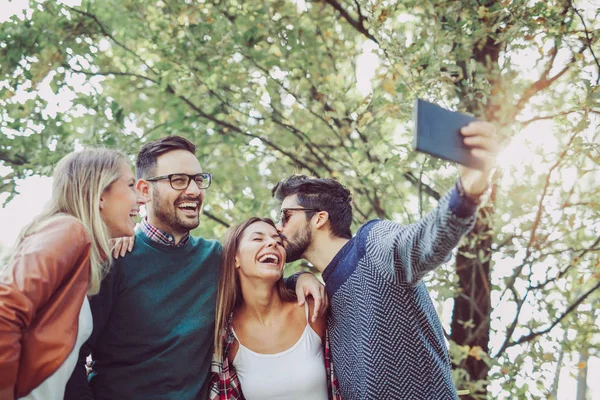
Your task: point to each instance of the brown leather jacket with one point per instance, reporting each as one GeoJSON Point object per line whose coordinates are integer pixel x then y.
{"type": "Point", "coordinates": [41, 293]}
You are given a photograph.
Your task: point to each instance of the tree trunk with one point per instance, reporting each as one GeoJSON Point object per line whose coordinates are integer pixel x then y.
{"type": "Point", "coordinates": [559, 363]}
{"type": "Point", "coordinates": [472, 305]}
{"type": "Point", "coordinates": [584, 357]}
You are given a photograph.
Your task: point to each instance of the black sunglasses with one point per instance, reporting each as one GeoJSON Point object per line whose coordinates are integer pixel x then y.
{"type": "Point", "coordinates": [285, 213]}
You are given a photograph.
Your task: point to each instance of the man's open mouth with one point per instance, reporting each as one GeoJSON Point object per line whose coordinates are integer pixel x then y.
{"type": "Point", "coordinates": [189, 207]}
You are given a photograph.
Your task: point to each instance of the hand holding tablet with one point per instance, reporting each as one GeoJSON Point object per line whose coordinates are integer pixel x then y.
{"type": "Point", "coordinates": [460, 138]}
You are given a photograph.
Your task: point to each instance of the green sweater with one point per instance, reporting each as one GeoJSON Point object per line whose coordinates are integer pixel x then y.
{"type": "Point", "coordinates": [153, 324]}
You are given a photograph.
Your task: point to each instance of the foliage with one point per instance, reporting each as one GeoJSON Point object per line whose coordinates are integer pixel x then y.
{"type": "Point", "coordinates": [268, 88]}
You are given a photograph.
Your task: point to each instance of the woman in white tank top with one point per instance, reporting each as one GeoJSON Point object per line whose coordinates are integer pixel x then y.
{"type": "Point", "coordinates": [266, 347]}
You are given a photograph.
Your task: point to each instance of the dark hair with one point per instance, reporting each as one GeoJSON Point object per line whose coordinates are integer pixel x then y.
{"type": "Point", "coordinates": [146, 159]}
{"type": "Point", "coordinates": [322, 194]}
{"type": "Point", "coordinates": [229, 292]}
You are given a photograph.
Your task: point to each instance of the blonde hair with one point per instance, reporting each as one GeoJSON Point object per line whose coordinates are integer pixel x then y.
{"type": "Point", "coordinates": [80, 178]}
{"type": "Point", "coordinates": [229, 292]}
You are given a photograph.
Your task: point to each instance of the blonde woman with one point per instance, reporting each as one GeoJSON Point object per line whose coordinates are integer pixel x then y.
{"type": "Point", "coordinates": [59, 260]}
{"type": "Point", "coordinates": [266, 347]}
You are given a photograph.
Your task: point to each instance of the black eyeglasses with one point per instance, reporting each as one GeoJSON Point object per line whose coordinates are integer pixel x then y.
{"type": "Point", "coordinates": [182, 181]}
{"type": "Point", "coordinates": [284, 214]}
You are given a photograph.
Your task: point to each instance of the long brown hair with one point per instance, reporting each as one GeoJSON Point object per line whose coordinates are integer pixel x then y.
{"type": "Point", "coordinates": [229, 293]}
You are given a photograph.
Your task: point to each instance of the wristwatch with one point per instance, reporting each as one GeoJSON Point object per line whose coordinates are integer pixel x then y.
{"type": "Point", "coordinates": [482, 198]}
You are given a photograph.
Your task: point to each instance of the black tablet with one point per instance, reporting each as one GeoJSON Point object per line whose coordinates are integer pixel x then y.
{"type": "Point", "coordinates": [437, 132]}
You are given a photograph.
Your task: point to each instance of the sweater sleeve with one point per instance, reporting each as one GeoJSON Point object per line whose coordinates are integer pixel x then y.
{"type": "Point", "coordinates": [291, 281]}
{"type": "Point", "coordinates": [41, 263]}
{"type": "Point", "coordinates": [405, 253]}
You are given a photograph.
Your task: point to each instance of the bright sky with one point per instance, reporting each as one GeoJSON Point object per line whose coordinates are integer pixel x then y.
{"type": "Point", "coordinates": [35, 191]}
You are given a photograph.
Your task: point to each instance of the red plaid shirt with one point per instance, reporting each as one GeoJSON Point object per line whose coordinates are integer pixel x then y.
{"type": "Point", "coordinates": [161, 237]}
{"type": "Point", "coordinates": [224, 382]}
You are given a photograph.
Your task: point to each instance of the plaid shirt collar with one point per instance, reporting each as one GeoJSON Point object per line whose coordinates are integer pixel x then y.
{"type": "Point", "coordinates": [158, 236]}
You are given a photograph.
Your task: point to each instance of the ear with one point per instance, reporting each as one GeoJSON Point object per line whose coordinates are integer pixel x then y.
{"type": "Point", "coordinates": [322, 219]}
{"type": "Point", "coordinates": [101, 203]}
{"type": "Point", "coordinates": [144, 188]}
{"type": "Point", "coordinates": [237, 262]}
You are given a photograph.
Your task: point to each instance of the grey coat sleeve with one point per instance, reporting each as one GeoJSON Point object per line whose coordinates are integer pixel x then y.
{"type": "Point", "coordinates": [405, 253]}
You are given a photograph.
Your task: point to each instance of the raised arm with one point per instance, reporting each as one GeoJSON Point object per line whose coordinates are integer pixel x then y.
{"type": "Point", "coordinates": [405, 253]}
{"type": "Point", "coordinates": [415, 249]}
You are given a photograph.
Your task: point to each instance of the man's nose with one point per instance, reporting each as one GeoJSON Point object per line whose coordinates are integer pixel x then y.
{"type": "Point", "coordinates": [193, 190]}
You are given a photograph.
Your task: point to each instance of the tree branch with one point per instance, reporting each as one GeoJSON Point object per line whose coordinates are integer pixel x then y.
{"type": "Point", "coordinates": [295, 95]}
{"type": "Point", "coordinates": [507, 241]}
{"type": "Point", "coordinates": [426, 188]}
{"type": "Point", "coordinates": [544, 82]}
{"type": "Point", "coordinates": [238, 130]}
{"type": "Point", "coordinates": [201, 113]}
{"type": "Point", "coordinates": [108, 73]}
{"type": "Point", "coordinates": [567, 268]}
{"type": "Point", "coordinates": [107, 34]}
{"type": "Point", "coordinates": [589, 40]}
{"type": "Point", "coordinates": [356, 24]}
{"type": "Point", "coordinates": [572, 307]}
{"type": "Point", "coordinates": [538, 216]}
{"type": "Point", "coordinates": [361, 17]}
{"type": "Point", "coordinates": [513, 325]}
{"type": "Point", "coordinates": [300, 136]}
{"type": "Point", "coordinates": [546, 185]}
{"type": "Point", "coordinates": [215, 218]}
{"type": "Point", "coordinates": [545, 117]}
{"type": "Point", "coordinates": [329, 54]}
{"type": "Point", "coordinates": [299, 163]}
{"type": "Point", "coordinates": [13, 159]}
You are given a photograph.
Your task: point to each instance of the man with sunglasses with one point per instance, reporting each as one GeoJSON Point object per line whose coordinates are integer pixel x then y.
{"type": "Point", "coordinates": [154, 316]}
{"type": "Point", "coordinates": [386, 339]}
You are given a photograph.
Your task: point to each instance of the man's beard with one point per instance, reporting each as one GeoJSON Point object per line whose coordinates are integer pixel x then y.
{"type": "Point", "coordinates": [296, 246]}
{"type": "Point", "coordinates": [167, 213]}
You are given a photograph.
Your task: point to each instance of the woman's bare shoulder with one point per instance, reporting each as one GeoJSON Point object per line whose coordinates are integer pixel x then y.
{"type": "Point", "coordinates": [320, 325]}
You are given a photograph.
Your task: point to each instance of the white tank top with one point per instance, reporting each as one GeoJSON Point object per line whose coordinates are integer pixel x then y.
{"type": "Point", "coordinates": [296, 373]}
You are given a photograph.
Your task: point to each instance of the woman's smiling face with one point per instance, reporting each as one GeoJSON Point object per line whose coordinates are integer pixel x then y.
{"type": "Point", "coordinates": [260, 253]}
{"type": "Point", "coordinates": [120, 202]}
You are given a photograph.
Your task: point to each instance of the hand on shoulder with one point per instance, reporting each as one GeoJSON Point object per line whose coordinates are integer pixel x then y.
{"type": "Point", "coordinates": [320, 324]}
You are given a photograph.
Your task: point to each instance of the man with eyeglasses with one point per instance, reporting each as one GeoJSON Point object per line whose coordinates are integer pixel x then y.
{"type": "Point", "coordinates": [386, 339]}
{"type": "Point", "coordinates": [154, 316]}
